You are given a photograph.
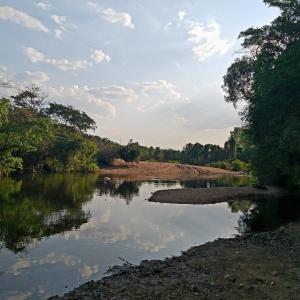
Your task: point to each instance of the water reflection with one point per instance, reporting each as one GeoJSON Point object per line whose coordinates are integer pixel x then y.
{"type": "Point", "coordinates": [62, 230]}
{"type": "Point", "coordinates": [125, 189]}
{"type": "Point", "coordinates": [225, 181]}
{"type": "Point", "coordinates": [36, 208]}
{"type": "Point", "coordinates": [33, 209]}
{"type": "Point", "coordinates": [266, 214]}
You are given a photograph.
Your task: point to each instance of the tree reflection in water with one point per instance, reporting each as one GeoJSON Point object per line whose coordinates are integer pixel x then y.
{"type": "Point", "coordinates": [36, 208]}
{"type": "Point", "coordinates": [33, 209]}
{"type": "Point", "coordinates": [122, 188]}
{"type": "Point", "coordinates": [265, 214]}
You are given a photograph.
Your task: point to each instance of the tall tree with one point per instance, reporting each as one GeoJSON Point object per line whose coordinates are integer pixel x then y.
{"type": "Point", "coordinates": [267, 79]}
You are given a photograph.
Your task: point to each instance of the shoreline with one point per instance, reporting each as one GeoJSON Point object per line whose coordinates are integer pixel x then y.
{"type": "Point", "coordinates": [258, 266]}
{"type": "Point", "coordinates": [170, 171]}
{"type": "Point", "coordinates": [213, 195]}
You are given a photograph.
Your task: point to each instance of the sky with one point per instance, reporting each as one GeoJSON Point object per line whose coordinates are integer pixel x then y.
{"type": "Point", "coordinates": [147, 70]}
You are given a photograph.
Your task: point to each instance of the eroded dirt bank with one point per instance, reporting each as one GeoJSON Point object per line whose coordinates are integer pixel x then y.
{"type": "Point", "coordinates": [260, 266]}
{"type": "Point", "coordinates": [148, 170]}
{"type": "Point", "coordinates": [212, 195]}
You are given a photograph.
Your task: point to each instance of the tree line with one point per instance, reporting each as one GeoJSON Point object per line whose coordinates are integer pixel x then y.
{"type": "Point", "coordinates": [38, 135]}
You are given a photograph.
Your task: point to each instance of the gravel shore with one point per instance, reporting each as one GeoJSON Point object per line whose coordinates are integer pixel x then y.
{"type": "Point", "coordinates": [259, 266]}
{"type": "Point", "coordinates": [212, 195]}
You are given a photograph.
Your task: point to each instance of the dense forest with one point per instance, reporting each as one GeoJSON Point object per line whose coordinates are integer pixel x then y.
{"type": "Point", "coordinates": [37, 135]}
{"type": "Point", "coordinates": [267, 79]}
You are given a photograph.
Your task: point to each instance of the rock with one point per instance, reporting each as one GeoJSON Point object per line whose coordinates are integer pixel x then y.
{"type": "Point", "coordinates": [194, 288]}
{"type": "Point", "coordinates": [227, 276]}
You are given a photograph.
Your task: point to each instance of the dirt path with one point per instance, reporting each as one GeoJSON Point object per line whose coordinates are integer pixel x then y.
{"type": "Point", "coordinates": [261, 266]}
{"type": "Point", "coordinates": [150, 170]}
{"type": "Point", "coordinates": [212, 195]}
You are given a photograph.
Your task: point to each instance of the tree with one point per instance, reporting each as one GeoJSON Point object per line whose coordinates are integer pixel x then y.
{"type": "Point", "coordinates": [32, 138]}
{"type": "Point", "coordinates": [17, 137]}
{"type": "Point", "coordinates": [31, 100]}
{"type": "Point", "coordinates": [130, 152]}
{"type": "Point", "coordinates": [238, 145]}
{"type": "Point", "coordinates": [70, 116]}
{"type": "Point", "coordinates": [267, 79]}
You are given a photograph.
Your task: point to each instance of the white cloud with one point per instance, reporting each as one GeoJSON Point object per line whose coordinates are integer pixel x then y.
{"type": "Point", "coordinates": [168, 26]}
{"type": "Point", "coordinates": [181, 15]}
{"type": "Point", "coordinates": [112, 16]}
{"type": "Point", "coordinates": [34, 55]}
{"type": "Point", "coordinates": [59, 20]}
{"type": "Point", "coordinates": [13, 15]}
{"type": "Point", "coordinates": [114, 94]}
{"type": "Point", "coordinates": [99, 56]}
{"type": "Point", "coordinates": [93, 4]}
{"type": "Point", "coordinates": [58, 33]}
{"type": "Point", "coordinates": [104, 101]}
{"type": "Point", "coordinates": [84, 97]}
{"type": "Point", "coordinates": [27, 77]}
{"type": "Point", "coordinates": [153, 94]}
{"type": "Point", "coordinates": [44, 6]}
{"type": "Point", "coordinates": [206, 40]}
{"type": "Point", "coordinates": [143, 96]}
{"type": "Point", "coordinates": [63, 26]}
{"type": "Point", "coordinates": [122, 18]}
{"type": "Point", "coordinates": [63, 64]}
{"type": "Point", "coordinates": [20, 80]}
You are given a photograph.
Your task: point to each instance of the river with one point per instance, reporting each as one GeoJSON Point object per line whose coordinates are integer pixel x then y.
{"type": "Point", "coordinates": [58, 231]}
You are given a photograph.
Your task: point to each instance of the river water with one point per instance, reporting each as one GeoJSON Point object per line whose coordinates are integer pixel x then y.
{"type": "Point", "coordinates": [58, 231]}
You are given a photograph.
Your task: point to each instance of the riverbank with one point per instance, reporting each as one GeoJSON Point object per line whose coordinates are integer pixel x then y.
{"type": "Point", "coordinates": [213, 195]}
{"type": "Point", "coordinates": [145, 170]}
{"type": "Point", "coordinates": [259, 266]}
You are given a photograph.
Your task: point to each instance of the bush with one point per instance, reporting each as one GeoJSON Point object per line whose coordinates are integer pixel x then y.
{"type": "Point", "coordinates": [238, 165]}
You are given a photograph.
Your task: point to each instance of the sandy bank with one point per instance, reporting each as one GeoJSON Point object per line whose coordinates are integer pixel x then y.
{"type": "Point", "coordinates": [172, 171]}
{"type": "Point", "coordinates": [260, 266]}
{"type": "Point", "coordinates": [212, 195]}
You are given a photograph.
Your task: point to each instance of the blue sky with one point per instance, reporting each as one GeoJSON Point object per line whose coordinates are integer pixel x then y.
{"type": "Point", "coordinates": [144, 70]}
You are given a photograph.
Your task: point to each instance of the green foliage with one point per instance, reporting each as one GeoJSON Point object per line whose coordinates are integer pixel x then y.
{"type": "Point", "coordinates": [238, 165]}
{"type": "Point", "coordinates": [18, 136]}
{"type": "Point", "coordinates": [69, 116]}
{"type": "Point", "coordinates": [239, 145]}
{"type": "Point", "coordinates": [29, 212]}
{"type": "Point", "coordinates": [198, 154]}
{"type": "Point", "coordinates": [130, 152]}
{"type": "Point", "coordinates": [267, 79]}
{"type": "Point", "coordinates": [233, 165]}
{"type": "Point", "coordinates": [31, 138]}
{"type": "Point", "coordinates": [107, 151]}
{"type": "Point", "coordinates": [225, 165]}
